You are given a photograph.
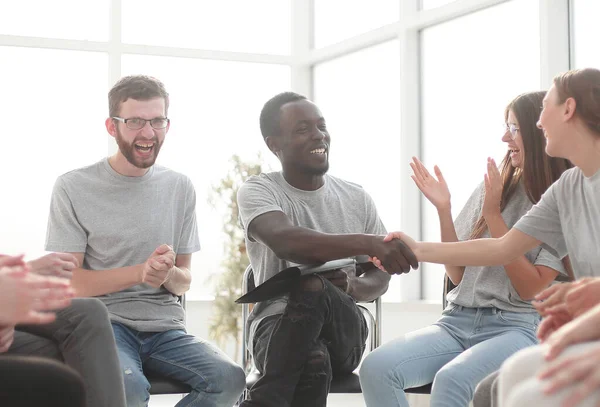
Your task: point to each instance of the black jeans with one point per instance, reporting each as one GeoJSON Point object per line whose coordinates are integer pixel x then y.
{"type": "Point", "coordinates": [321, 333]}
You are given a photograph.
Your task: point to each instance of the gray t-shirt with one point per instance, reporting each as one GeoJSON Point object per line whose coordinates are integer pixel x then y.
{"type": "Point", "coordinates": [567, 220]}
{"type": "Point", "coordinates": [118, 221]}
{"type": "Point", "coordinates": [337, 207]}
{"type": "Point", "coordinates": [490, 286]}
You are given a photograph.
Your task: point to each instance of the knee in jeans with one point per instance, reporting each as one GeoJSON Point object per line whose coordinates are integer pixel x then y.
{"type": "Point", "coordinates": [311, 283]}
{"type": "Point", "coordinates": [236, 379]}
{"type": "Point", "coordinates": [137, 387]}
{"type": "Point", "coordinates": [230, 379]}
{"type": "Point", "coordinates": [450, 377]}
{"type": "Point", "coordinates": [372, 369]}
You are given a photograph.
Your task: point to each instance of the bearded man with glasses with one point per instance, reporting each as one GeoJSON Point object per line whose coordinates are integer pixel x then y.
{"type": "Point", "coordinates": [131, 224]}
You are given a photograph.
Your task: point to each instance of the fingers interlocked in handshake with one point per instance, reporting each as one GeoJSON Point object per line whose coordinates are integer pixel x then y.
{"type": "Point", "coordinates": [394, 253]}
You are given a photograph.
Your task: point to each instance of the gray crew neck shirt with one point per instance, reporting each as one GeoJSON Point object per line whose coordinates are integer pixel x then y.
{"type": "Point", "coordinates": [337, 207]}
{"type": "Point", "coordinates": [490, 286]}
{"type": "Point", "coordinates": [567, 221]}
{"type": "Point", "coordinates": [118, 221]}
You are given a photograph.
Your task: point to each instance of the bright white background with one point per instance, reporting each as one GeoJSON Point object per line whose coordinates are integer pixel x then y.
{"type": "Point", "coordinates": [392, 78]}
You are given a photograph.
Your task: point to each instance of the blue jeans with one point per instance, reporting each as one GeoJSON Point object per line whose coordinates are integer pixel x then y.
{"type": "Point", "coordinates": [455, 353]}
{"type": "Point", "coordinates": [214, 378]}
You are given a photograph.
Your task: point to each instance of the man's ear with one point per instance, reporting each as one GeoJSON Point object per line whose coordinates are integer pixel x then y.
{"type": "Point", "coordinates": [274, 144]}
{"type": "Point", "coordinates": [570, 106]}
{"type": "Point", "coordinates": [111, 127]}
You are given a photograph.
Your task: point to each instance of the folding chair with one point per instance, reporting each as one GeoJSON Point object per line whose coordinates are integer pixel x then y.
{"type": "Point", "coordinates": [347, 383]}
{"type": "Point", "coordinates": [164, 385]}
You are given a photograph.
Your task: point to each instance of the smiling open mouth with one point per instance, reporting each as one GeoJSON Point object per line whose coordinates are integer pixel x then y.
{"type": "Point", "coordinates": [144, 147]}
{"type": "Point", "coordinates": [318, 151]}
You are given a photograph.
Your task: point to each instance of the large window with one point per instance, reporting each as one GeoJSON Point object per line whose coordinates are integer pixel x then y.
{"type": "Point", "coordinates": [586, 32]}
{"type": "Point", "coordinates": [359, 95]}
{"type": "Point", "coordinates": [56, 99]}
{"type": "Point", "coordinates": [468, 80]}
{"type": "Point", "coordinates": [461, 62]}
{"type": "Point", "coordinates": [214, 112]}
{"type": "Point", "coordinates": [337, 20]}
{"type": "Point", "coordinates": [261, 26]}
{"type": "Point", "coordinates": [54, 104]}
{"type": "Point", "coordinates": [68, 19]}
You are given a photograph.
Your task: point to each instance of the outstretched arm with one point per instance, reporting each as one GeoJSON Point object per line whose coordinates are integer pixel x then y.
{"type": "Point", "coordinates": [306, 246]}
{"type": "Point", "coordinates": [479, 252]}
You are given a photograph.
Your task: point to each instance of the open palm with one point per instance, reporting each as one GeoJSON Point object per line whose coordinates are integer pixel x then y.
{"type": "Point", "coordinates": [435, 190]}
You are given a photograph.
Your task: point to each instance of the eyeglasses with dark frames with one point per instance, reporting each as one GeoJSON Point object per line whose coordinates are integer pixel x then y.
{"type": "Point", "coordinates": [136, 123]}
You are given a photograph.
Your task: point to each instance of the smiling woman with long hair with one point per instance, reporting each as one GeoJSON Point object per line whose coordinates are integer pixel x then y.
{"type": "Point", "coordinates": [566, 220]}
{"type": "Point", "coordinates": [489, 314]}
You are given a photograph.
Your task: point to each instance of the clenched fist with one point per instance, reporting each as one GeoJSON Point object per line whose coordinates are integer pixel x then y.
{"type": "Point", "coordinates": [156, 271]}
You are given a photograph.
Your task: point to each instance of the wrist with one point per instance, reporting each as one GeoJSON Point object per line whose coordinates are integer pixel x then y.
{"type": "Point", "coordinates": [492, 215]}
{"type": "Point", "coordinates": [368, 244]}
{"type": "Point", "coordinates": [418, 251]}
{"type": "Point", "coordinates": [140, 273]}
{"type": "Point", "coordinates": [170, 274]}
{"type": "Point", "coordinates": [444, 209]}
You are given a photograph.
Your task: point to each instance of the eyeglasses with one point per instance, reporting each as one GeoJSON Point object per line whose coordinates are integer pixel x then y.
{"type": "Point", "coordinates": [512, 129]}
{"type": "Point", "coordinates": [136, 123]}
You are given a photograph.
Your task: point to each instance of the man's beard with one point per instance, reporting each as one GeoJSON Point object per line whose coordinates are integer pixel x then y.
{"type": "Point", "coordinates": [128, 151]}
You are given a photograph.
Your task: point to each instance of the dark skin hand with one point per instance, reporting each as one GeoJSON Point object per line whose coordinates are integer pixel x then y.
{"type": "Point", "coordinates": [362, 283]}
{"type": "Point", "coordinates": [307, 246]}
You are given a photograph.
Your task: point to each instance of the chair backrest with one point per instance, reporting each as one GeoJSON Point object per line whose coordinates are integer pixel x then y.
{"type": "Point", "coordinates": [247, 285]}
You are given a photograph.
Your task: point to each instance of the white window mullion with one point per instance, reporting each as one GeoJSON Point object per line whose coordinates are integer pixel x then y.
{"type": "Point", "coordinates": [302, 41]}
{"type": "Point", "coordinates": [410, 136]}
{"type": "Point", "coordinates": [554, 37]}
{"type": "Point", "coordinates": [114, 55]}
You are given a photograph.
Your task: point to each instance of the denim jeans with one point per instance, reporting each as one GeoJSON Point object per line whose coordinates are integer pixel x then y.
{"type": "Point", "coordinates": [214, 378]}
{"type": "Point", "coordinates": [321, 333]}
{"type": "Point", "coordinates": [455, 353]}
